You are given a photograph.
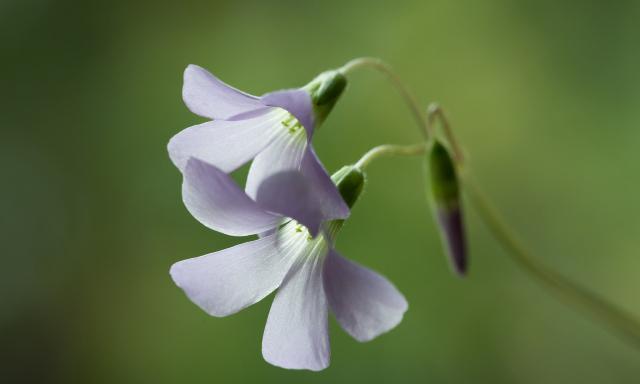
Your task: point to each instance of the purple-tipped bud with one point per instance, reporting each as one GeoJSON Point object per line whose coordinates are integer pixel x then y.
{"type": "Point", "coordinates": [445, 194]}
{"type": "Point", "coordinates": [452, 231]}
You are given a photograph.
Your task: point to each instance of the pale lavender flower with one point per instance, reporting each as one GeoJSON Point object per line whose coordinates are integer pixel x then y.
{"type": "Point", "coordinates": [274, 130]}
{"type": "Point", "coordinates": [310, 275]}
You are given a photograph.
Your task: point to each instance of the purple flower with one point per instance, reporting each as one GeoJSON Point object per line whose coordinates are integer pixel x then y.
{"type": "Point", "coordinates": [274, 130]}
{"type": "Point", "coordinates": [310, 275]}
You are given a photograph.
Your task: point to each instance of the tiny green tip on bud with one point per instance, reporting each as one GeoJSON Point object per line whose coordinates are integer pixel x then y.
{"type": "Point", "coordinates": [325, 90]}
{"type": "Point", "coordinates": [445, 194]}
{"type": "Point", "coordinates": [350, 182]}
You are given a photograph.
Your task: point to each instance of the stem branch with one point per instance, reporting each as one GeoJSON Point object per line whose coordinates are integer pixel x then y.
{"type": "Point", "coordinates": [620, 321]}
{"type": "Point", "coordinates": [434, 111]}
{"type": "Point", "coordinates": [390, 150]}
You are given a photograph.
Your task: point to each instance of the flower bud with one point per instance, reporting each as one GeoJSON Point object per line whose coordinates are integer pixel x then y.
{"type": "Point", "coordinates": [325, 90]}
{"type": "Point", "coordinates": [445, 195]}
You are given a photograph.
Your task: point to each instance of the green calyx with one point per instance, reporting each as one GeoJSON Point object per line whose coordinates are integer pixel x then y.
{"type": "Point", "coordinates": [445, 187]}
{"type": "Point", "coordinates": [350, 182]}
{"type": "Point", "coordinates": [325, 91]}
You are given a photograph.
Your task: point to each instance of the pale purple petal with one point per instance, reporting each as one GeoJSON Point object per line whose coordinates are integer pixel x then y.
{"type": "Point", "coordinates": [207, 96]}
{"type": "Point", "coordinates": [296, 334]}
{"type": "Point", "coordinates": [285, 153]}
{"type": "Point", "coordinates": [289, 194]}
{"type": "Point", "coordinates": [215, 200]}
{"type": "Point", "coordinates": [297, 102]}
{"type": "Point", "coordinates": [225, 144]}
{"type": "Point", "coordinates": [287, 178]}
{"type": "Point", "coordinates": [224, 282]}
{"type": "Point", "coordinates": [365, 303]}
{"type": "Point", "coordinates": [328, 197]}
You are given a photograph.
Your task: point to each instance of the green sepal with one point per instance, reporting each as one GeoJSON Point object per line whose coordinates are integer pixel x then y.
{"type": "Point", "coordinates": [350, 181]}
{"type": "Point", "coordinates": [325, 90]}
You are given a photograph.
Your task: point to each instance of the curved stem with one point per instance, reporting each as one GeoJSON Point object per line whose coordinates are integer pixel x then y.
{"type": "Point", "coordinates": [408, 97]}
{"type": "Point", "coordinates": [620, 321]}
{"type": "Point", "coordinates": [435, 111]}
{"type": "Point", "coordinates": [390, 150]}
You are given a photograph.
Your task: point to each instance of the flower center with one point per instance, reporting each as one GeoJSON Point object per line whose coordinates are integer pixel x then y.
{"type": "Point", "coordinates": [292, 124]}
{"type": "Point", "coordinates": [295, 238]}
{"type": "Point", "coordinates": [301, 229]}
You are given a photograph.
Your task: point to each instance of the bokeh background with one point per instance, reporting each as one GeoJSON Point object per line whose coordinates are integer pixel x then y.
{"type": "Point", "coordinates": [544, 94]}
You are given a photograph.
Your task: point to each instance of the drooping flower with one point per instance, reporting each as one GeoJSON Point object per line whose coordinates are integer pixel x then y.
{"type": "Point", "coordinates": [273, 130]}
{"type": "Point", "coordinates": [309, 274]}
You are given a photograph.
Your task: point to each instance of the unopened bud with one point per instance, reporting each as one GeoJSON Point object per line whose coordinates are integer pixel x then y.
{"type": "Point", "coordinates": [445, 194]}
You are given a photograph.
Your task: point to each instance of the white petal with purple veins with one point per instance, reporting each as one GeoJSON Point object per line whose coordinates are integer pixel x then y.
{"type": "Point", "coordinates": [207, 96]}
{"type": "Point", "coordinates": [287, 178]}
{"type": "Point", "coordinates": [225, 144]}
{"type": "Point", "coordinates": [365, 303]}
{"type": "Point", "coordinates": [328, 198]}
{"type": "Point", "coordinates": [295, 101]}
{"type": "Point", "coordinates": [285, 153]}
{"type": "Point", "coordinates": [296, 334]}
{"type": "Point", "coordinates": [215, 200]}
{"type": "Point", "coordinates": [289, 194]}
{"type": "Point", "coordinates": [224, 282]}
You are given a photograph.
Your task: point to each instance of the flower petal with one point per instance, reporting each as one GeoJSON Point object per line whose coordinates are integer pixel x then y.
{"type": "Point", "coordinates": [331, 203]}
{"type": "Point", "coordinates": [285, 153]}
{"type": "Point", "coordinates": [207, 96]}
{"type": "Point", "coordinates": [225, 282]}
{"type": "Point", "coordinates": [215, 200]}
{"type": "Point", "coordinates": [296, 334]}
{"type": "Point", "coordinates": [297, 102]}
{"type": "Point", "coordinates": [365, 303]}
{"type": "Point", "coordinates": [225, 144]}
{"type": "Point", "coordinates": [287, 178]}
{"type": "Point", "coordinates": [289, 194]}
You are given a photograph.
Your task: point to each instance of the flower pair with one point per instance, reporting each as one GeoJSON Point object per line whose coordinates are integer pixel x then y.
{"type": "Point", "coordinates": [294, 207]}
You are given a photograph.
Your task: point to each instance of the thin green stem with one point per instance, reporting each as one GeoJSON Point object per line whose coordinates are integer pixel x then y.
{"type": "Point", "coordinates": [620, 321]}
{"type": "Point", "coordinates": [390, 150]}
{"type": "Point", "coordinates": [434, 111]}
{"type": "Point", "coordinates": [407, 96]}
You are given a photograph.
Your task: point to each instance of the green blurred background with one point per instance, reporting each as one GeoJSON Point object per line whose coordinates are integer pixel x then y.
{"type": "Point", "coordinates": [544, 94]}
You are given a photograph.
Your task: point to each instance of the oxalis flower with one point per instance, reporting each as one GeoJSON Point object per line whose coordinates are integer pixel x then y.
{"type": "Point", "coordinates": [308, 272]}
{"type": "Point", "coordinates": [273, 130]}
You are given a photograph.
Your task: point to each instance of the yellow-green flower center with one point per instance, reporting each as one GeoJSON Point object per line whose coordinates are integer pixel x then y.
{"type": "Point", "coordinates": [292, 124]}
